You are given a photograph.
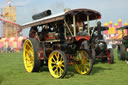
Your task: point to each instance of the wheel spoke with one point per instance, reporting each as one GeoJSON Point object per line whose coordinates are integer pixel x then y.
{"type": "Point", "coordinates": [53, 62]}
{"type": "Point", "coordinates": [61, 70]}
{"type": "Point", "coordinates": [57, 71]}
{"type": "Point", "coordinates": [26, 52]}
{"type": "Point", "coordinates": [62, 62]}
{"type": "Point", "coordinates": [29, 47]}
{"type": "Point", "coordinates": [32, 59]}
{"type": "Point", "coordinates": [26, 55]}
{"type": "Point", "coordinates": [27, 59]}
{"type": "Point", "coordinates": [53, 59]}
{"type": "Point", "coordinates": [57, 57]}
{"type": "Point", "coordinates": [62, 65]}
{"type": "Point", "coordinates": [53, 66]}
{"type": "Point", "coordinates": [61, 58]}
{"type": "Point", "coordinates": [31, 62]}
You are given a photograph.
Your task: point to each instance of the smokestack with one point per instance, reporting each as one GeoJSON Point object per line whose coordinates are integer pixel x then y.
{"type": "Point", "coordinates": [41, 15]}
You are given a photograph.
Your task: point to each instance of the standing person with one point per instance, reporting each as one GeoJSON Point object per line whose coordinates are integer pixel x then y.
{"type": "Point", "coordinates": [5, 49]}
{"type": "Point", "coordinates": [8, 49]}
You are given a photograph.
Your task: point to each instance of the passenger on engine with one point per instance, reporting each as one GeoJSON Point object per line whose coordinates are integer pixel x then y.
{"type": "Point", "coordinates": [33, 31]}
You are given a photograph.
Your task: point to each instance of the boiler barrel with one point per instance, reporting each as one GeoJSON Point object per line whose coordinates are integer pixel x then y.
{"type": "Point", "coordinates": [41, 15]}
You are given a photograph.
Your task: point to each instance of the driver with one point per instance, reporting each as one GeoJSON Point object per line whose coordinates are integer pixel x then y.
{"type": "Point", "coordinates": [79, 25]}
{"type": "Point", "coordinates": [81, 28]}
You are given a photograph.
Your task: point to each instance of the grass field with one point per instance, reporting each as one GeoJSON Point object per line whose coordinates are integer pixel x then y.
{"type": "Point", "coordinates": [12, 72]}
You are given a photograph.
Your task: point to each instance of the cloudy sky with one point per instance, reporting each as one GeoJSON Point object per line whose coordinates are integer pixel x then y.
{"type": "Point", "coordinates": [110, 9]}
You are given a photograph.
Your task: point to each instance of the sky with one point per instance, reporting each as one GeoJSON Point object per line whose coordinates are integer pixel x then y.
{"type": "Point", "coordinates": [109, 9]}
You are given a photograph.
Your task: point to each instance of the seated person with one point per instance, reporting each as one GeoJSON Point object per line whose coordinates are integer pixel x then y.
{"type": "Point", "coordinates": [33, 31]}
{"type": "Point", "coordinates": [81, 28]}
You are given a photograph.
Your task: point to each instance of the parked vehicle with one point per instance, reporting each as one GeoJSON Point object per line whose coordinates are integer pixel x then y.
{"type": "Point", "coordinates": [99, 46]}
{"type": "Point", "coordinates": [123, 47]}
{"type": "Point", "coordinates": [59, 42]}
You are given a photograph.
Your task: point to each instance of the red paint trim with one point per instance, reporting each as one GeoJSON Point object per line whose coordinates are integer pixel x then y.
{"type": "Point", "coordinates": [82, 37]}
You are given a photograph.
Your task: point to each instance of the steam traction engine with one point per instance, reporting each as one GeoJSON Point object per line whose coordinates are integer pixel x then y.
{"type": "Point", "coordinates": [123, 47]}
{"type": "Point", "coordinates": [99, 46]}
{"type": "Point", "coordinates": [57, 40]}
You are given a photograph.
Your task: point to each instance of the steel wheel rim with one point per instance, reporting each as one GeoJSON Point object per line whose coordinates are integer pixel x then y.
{"type": "Point", "coordinates": [28, 55]}
{"type": "Point", "coordinates": [84, 66]}
{"type": "Point", "coordinates": [56, 64]}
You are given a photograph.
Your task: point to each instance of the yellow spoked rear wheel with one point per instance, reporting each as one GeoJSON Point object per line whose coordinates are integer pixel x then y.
{"type": "Point", "coordinates": [30, 55]}
{"type": "Point", "coordinates": [57, 64]}
{"type": "Point", "coordinates": [83, 62]}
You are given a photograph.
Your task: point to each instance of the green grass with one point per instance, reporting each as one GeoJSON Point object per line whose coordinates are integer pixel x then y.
{"type": "Point", "coordinates": [12, 72]}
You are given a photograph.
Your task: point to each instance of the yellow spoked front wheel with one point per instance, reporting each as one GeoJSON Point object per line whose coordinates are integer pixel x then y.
{"type": "Point", "coordinates": [57, 64]}
{"type": "Point", "coordinates": [30, 55]}
{"type": "Point", "coordinates": [83, 62]}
